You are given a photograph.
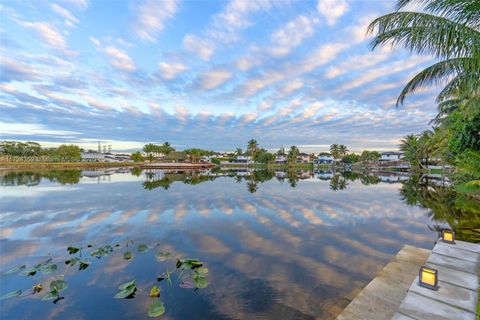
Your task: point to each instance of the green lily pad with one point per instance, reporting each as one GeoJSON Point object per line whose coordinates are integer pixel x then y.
{"type": "Point", "coordinates": [162, 256]}
{"type": "Point", "coordinates": [202, 271]}
{"type": "Point", "coordinates": [83, 265]}
{"type": "Point", "coordinates": [142, 248]}
{"type": "Point", "coordinates": [73, 250]}
{"type": "Point", "coordinates": [200, 281]}
{"type": "Point", "coordinates": [49, 268]}
{"type": "Point", "coordinates": [155, 291]}
{"type": "Point", "coordinates": [51, 295]}
{"type": "Point", "coordinates": [58, 285]}
{"type": "Point", "coordinates": [156, 309]}
{"type": "Point", "coordinates": [127, 255]}
{"type": "Point", "coordinates": [72, 262]}
{"type": "Point", "coordinates": [11, 295]}
{"type": "Point", "coordinates": [126, 290]}
{"type": "Point", "coordinates": [16, 269]}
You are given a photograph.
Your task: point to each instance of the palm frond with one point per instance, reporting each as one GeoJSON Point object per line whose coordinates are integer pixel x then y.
{"type": "Point", "coordinates": [462, 11]}
{"type": "Point", "coordinates": [425, 34]}
{"type": "Point", "coordinates": [436, 74]}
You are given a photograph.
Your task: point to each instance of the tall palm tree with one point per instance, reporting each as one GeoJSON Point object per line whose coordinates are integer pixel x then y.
{"type": "Point", "coordinates": [252, 147]}
{"type": "Point", "coordinates": [334, 150]}
{"type": "Point", "coordinates": [293, 154]}
{"type": "Point", "coordinates": [342, 150]}
{"type": "Point", "coordinates": [239, 151]}
{"type": "Point", "coordinates": [446, 29]}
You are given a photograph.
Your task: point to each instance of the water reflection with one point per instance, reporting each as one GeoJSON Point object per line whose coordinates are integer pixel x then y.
{"type": "Point", "coordinates": [279, 244]}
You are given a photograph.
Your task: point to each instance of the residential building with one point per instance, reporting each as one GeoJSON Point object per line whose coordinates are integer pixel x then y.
{"type": "Point", "coordinates": [92, 156]}
{"type": "Point", "coordinates": [303, 158]}
{"type": "Point", "coordinates": [324, 158]}
{"type": "Point", "coordinates": [391, 156]}
{"type": "Point", "coordinates": [280, 159]}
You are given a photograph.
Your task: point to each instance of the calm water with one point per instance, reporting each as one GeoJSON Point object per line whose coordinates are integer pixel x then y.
{"type": "Point", "coordinates": [277, 245]}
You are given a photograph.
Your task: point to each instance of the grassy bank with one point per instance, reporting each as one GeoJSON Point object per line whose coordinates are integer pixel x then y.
{"type": "Point", "coordinates": [65, 165]}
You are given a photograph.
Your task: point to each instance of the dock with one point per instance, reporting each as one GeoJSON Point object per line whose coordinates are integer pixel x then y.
{"type": "Point", "coordinates": [395, 294]}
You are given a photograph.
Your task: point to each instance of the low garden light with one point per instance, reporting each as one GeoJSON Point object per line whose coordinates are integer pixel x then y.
{"type": "Point", "coordinates": [448, 236]}
{"type": "Point", "coordinates": [428, 278]}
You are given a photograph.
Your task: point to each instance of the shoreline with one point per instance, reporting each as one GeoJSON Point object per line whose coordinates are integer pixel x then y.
{"type": "Point", "coordinates": [66, 165]}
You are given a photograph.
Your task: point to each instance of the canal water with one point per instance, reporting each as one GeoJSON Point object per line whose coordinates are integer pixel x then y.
{"type": "Point", "coordinates": [277, 245]}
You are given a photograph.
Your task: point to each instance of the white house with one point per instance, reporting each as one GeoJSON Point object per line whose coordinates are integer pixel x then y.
{"type": "Point", "coordinates": [324, 158]}
{"type": "Point", "coordinates": [92, 156]}
{"type": "Point", "coordinates": [280, 158]}
{"type": "Point", "coordinates": [391, 156]}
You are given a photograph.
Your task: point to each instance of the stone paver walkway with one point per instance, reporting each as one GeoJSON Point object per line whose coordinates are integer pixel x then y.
{"type": "Point", "coordinates": [458, 267]}
{"type": "Point", "coordinates": [380, 299]}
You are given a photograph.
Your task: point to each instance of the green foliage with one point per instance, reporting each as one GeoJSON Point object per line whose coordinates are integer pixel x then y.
{"type": "Point", "coordinates": [127, 255]}
{"type": "Point", "coordinates": [11, 295]}
{"type": "Point", "coordinates": [350, 158]}
{"type": "Point", "coordinates": [142, 248]}
{"type": "Point", "coordinates": [137, 156]}
{"type": "Point", "coordinates": [370, 156]}
{"type": "Point", "coordinates": [16, 148]}
{"type": "Point", "coordinates": [73, 250]}
{"type": "Point", "coordinates": [338, 150]}
{"type": "Point", "coordinates": [126, 290]}
{"type": "Point", "coordinates": [263, 156]}
{"type": "Point", "coordinates": [292, 154]}
{"type": "Point", "coordinates": [156, 309]}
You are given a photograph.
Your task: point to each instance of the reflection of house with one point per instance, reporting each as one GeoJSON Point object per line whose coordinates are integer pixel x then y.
{"type": "Point", "coordinates": [303, 158]}
{"type": "Point", "coordinates": [390, 156]}
{"type": "Point", "coordinates": [94, 156]}
{"type": "Point", "coordinates": [280, 159]}
{"type": "Point", "coordinates": [324, 175]}
{"type": "Point", "coordinates": [241, 160]}
{"type": "Point", "coordinates": [324, 158]}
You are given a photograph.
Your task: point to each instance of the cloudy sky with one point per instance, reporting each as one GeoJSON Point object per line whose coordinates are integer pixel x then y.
{"type": "Point", "coordinates": [209, 74]}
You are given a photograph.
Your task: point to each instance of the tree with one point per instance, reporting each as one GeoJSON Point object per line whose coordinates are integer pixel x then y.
{"type": "Point", "coordinates": [263, 156]}
{"type": "Point", "coordinates": [252, 147]}
{"type": "Point", "coordinates": [342, 150]}
{"type": "Point", "coordinates": [350, 158]}
{"type": "Point", "coordinates": [239, 151]}
{"type": "Point", "coordinates": [136, 156]}
{"type": "Point", "coordinates": [446, 29]}
{"type": "Point", "coordinates": [410, 146]}
{"type": "Point", "coordinates": [67, 153]}
{"type": "Point", "coordinates": [293, 154]}
{"type": "Point", "coordinates": [165, 148]}
{"type": "Point", "coordinates": [335, 151]}
{"type": "Point", "coordinates": [370, 156]}
{"type": "Point", "coordinates": [195, 154]}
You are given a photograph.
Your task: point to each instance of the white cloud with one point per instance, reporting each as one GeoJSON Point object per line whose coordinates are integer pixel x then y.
{"type": "Point", "coordinates": [291, 87]}
{"type": "Point", "coordinates": [47, 33]}
{"type": "Point", "coordinates": [292, 35]}
{"type": "Point", "coordinates": [213, 79]}
{"type": "Point", "coordinates": [151, 17]}
{"type": "Point", "coordinates": [322, 55]}
{"type": "Point", "coordinates": [357, 62]}
{"type": "Point", "coordinates": [202, 47]}
{"type": "Point", "coordinates": [26, 129]}
{"type": "Point", "coordinates": [120, 60]}
{"type": "Point", "coordinates": [332, 10]}
{"type": "Point", "coordinates": [81, 4]}
{"type": "Point", "coordinates": [170, 71]}
{"type": "Point", "coordinates": [70, 18]}
{"type": "Point", "coordinates": [94, 102]}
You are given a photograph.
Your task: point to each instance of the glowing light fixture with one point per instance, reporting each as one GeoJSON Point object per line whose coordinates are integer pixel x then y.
{"type": "Point", "coordinates": [448, 236]}
{"type": "Point", "coordinates": [428, 278]}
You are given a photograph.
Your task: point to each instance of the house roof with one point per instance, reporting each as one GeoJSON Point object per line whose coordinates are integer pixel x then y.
{"type": "Point", "coordinates": [391, 153]}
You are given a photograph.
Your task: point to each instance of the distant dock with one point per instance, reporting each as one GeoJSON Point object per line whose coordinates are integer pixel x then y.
{"type": "Point", "coordinates": [179, 165]}
{"type": "Point", "coordinates": [395, 294]}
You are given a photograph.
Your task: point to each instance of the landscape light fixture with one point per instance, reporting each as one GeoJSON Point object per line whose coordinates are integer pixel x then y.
{"type": "Point", "coordinates": [428, 278]}
{"type": "Point", "coordinates": [448, 236]}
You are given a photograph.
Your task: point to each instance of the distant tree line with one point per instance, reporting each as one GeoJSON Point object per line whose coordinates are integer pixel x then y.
{"type": "Point", "coordinates": [33, 151]}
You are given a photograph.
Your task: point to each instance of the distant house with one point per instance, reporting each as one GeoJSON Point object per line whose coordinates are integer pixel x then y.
{"type": "Point", "coordinates": [391, 156]}
{"type": "Point", "coordinates": [92, 156]}
{"type": "Point", "coordinates": [303, 158]}
{"type": "Point", "coordinates": [280, 159]}
{"type": "Point", "coordinates": [324, 158]}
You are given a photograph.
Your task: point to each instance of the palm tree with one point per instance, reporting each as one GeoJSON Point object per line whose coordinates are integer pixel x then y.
{"type": "Point", "coordinates": [252, 147]}
{"type": "Point", "coordinates": [410, 146]}
{"type": "Point", "coordinates": [342, 150]}
{"type": "Point", "coordinates": [239, 151]}
{"type": "Point", "coordinates": [446, 29]}
{"type": "Point", "coordinates": [293, 154]}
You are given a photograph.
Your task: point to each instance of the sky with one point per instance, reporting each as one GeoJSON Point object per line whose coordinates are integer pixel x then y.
{"type": "Point", "coordinates": [209, 74]}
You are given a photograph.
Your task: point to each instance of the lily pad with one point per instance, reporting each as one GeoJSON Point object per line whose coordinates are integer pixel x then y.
{"type": "Point", "coordinates": [11, 295]}
{"type": "Point", "coordinates": [155, 292]}
{"type": "Point", "coordinates": [16, 269]}
{"type": "Point", "coordinates": [126, 290]}
{"type": "Point", "coordinates": [83, 265]}
{"type": "Point", "coordinates": [156, 309]}
{"type": "Point", "coordinates": [73, 250]}
{"type": "Point", "coordinates": [51, 295]}
{"type": "Point", "coordinates": [37, 288]}
{"type": "Point", "coordinates": [162, 256]}
{"type": "Point", "coordinates": [202, 271]}
{"type": "Point", "coordinates": [58, 285]}
{"type": "Point", "coordinates": [49, 268]}
{"type": "Point", "coordinates": [142, 248]}
{"type": "Point", "coordinates": [127, 255]}
{"type": "Point", "coordinates": [188, 264]}
{"type": "Point", "coordinates": [200, 281]}
{"type": "Point", "coordinates": [72, 262]}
